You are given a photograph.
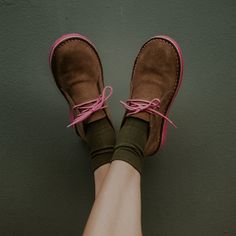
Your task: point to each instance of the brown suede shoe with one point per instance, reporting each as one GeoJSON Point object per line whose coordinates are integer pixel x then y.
{"type": "Point", "coordinates": [77, 70]}
{"type": "Point", "coordinates": [156, 78]}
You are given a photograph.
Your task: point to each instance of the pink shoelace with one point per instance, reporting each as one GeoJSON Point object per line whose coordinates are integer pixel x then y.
{"type": "Point", "coordinates": [86, 109]}
{"type": "Point", "coordinates": [134, 106]}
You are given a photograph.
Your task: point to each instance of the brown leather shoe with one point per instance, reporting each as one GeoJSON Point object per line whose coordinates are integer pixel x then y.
{"type": "Point", "coordinates": [156, 78]}
{"type": "Point", "coordinates": [77, 70]}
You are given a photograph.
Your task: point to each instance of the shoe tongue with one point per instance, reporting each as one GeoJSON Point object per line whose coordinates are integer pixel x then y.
{"type": "Point", "coordinates": [81, 93]}
{"type": "Point", "coordinates": [81, 90]}
{"type": "Point", "coordinates": [142, 115]}
{"type": "Point", "coordinates": [148, 88]}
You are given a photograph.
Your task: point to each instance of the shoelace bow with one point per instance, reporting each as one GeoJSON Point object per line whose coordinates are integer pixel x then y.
{"type": "Point", "coordinates": [86, 109]}
{"type": "Point", "coordinates": [134, 106]}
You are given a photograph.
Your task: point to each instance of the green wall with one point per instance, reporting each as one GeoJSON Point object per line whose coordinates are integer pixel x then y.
{"type": "Point", "coordinates": [188, 188]}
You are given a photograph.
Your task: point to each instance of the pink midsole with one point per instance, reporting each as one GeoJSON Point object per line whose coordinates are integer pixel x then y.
{"type": "Point", "coordinates": [59, 41]}
{"type": "Point", "coordinates": [176, 45]}
{"type": "Point", "coordinates": [165, 37]}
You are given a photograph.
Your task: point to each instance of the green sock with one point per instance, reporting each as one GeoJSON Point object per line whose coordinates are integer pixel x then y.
{"type": "Point", "coordinates": [131, 142]}
{"type": "Point", "coordinates": [100, 136]}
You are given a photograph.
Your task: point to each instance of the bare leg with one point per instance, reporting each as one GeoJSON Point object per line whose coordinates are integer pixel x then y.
{"type": "Point", "coordinates": [99, 176]}
{"type": "Point", "coordinates": [117, 208]}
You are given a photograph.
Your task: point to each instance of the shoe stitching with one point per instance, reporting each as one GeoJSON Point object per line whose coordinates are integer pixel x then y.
{"type": "Point", "coordinates": [91, 48]}
{"type": "Point", "coordinates": [176, 79]}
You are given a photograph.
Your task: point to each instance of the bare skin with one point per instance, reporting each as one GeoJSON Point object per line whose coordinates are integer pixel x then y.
{"type": "Point", "coordinates": [99, 176]}
{"type": "Point", "coordinates": [117, 207]}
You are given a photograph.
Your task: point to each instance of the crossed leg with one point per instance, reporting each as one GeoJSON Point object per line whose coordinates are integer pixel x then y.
{"type": "Point", "coordinates": [156, 77]}
{"type": "Point", "coordinates": [117, 207]}
{"type": "Point", "coordinates": [99, 177]}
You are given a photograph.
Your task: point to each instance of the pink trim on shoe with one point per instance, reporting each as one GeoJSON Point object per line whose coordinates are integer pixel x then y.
{"type": "Point", "coordinates": [86, 109]}
{"type": "Point", "coordinates": [179, 51]}
{"type": "Point", "coordinates": [78, 128]}
{"type": "Point", "coordinates": [137, 105]}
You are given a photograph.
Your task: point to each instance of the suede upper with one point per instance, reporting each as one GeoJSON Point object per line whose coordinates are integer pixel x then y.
{"type": "Point", "coordinates": [78, 73]}
{"type": "Point", "coordinates": [156, 74]}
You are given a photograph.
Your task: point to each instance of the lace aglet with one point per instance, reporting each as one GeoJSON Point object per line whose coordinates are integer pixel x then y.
{"type": "Point", "coordinates": [68, 126]}
{"type": "Point", "coordinates": [172, 123]}
{"type": "Point", "coordinates": [123, 103]}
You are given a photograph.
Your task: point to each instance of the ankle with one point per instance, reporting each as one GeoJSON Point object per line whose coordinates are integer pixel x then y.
{"type": "Point", "coordinates": [124, 168]}
{"type": "Point", "coordinates": [99, 176]}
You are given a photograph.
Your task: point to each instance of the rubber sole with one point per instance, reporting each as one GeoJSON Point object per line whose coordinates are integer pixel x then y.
{"type": "Point", "coordinates": [62, 39]}
{"type": "Point", "coordinates": [180, 55]}
{"type": "Point", "coordinates": [164, 37]}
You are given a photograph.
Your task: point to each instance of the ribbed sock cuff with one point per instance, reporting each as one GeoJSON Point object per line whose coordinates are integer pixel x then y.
{"type": "Point", "coordinates": [131, 142]}
{"type": "Point", "coordinates": [101, 159]}
{"type": "Point", "coordinates": [100, 136]}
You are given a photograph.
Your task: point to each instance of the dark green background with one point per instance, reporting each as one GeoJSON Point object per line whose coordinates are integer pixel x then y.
{"type": "Point", "coordinates": [188, 188]}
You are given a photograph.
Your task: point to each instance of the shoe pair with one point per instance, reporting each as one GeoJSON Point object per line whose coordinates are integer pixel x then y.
{"type": "Point", "coordinates": [156, 78]}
